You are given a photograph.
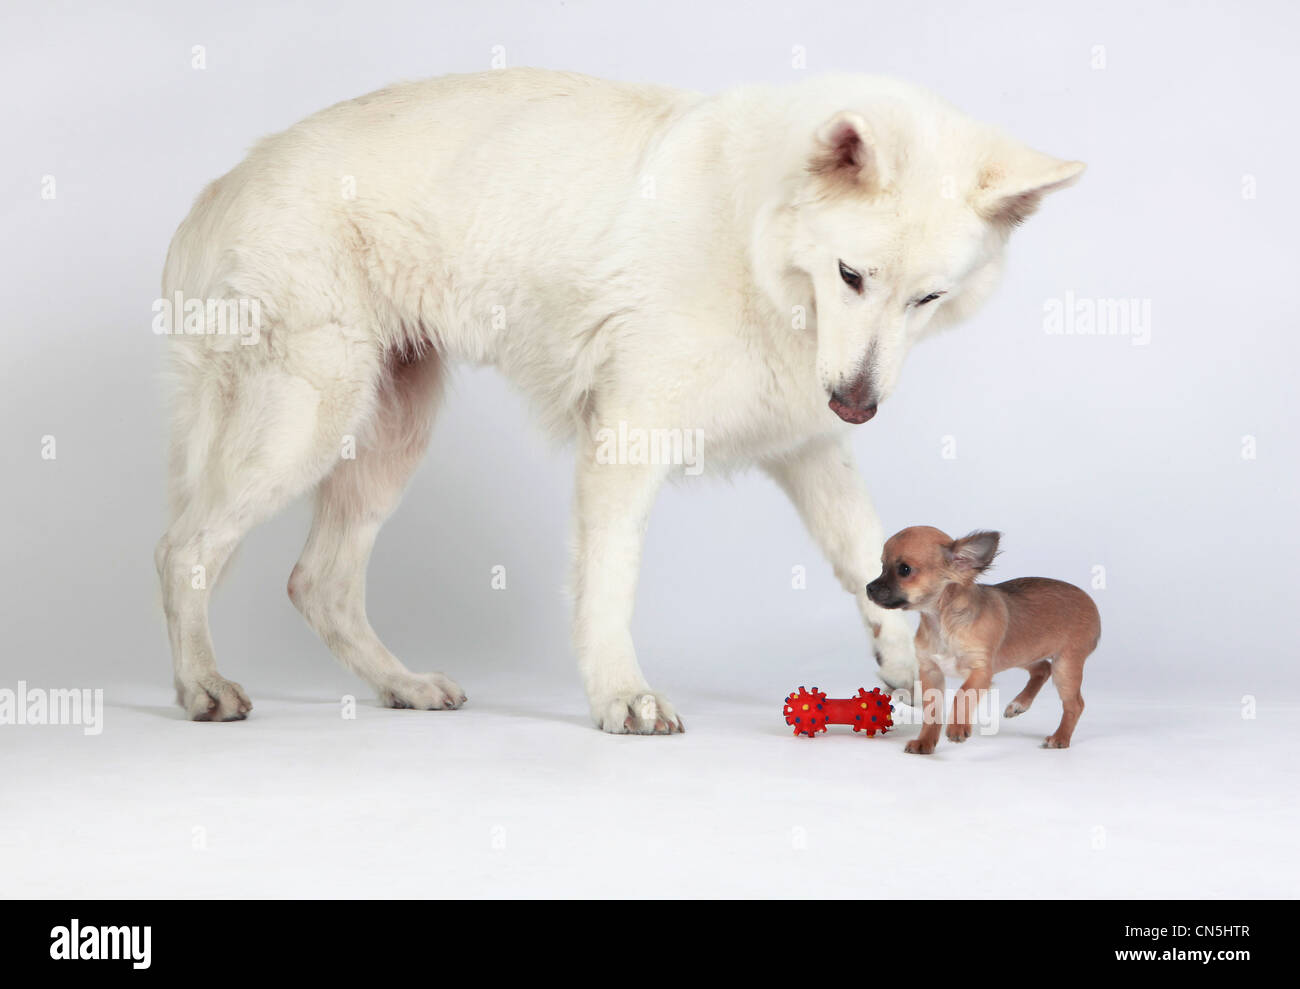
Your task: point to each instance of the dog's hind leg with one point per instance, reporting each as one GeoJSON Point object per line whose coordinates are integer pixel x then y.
{"type": "Point", "coordinates": [1067, 675]}
{"type": "Point", "coordinates": [1038, 674]}
{"type": "Point", "coordinates": [252, 432]}
{"type": "Point", "coordinates": [329, 583]}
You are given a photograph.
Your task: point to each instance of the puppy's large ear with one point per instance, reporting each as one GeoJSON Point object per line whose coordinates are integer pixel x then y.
{"type": "Point", "coordinates": [1011, 185]}
{"type": "Point", "coordinates": [846, 154]}
{"type": "Point", "coordinates": [974, 553]}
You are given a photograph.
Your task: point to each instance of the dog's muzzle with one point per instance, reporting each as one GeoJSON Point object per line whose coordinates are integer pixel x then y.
{"type": "Point", "coordinates": [882, 594]}
{"type": "Point", "coordinates": [855, 404]}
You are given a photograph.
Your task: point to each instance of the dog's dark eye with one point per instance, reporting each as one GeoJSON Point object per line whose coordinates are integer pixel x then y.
{"type": "Point", "coordinates": [904, 570]}
{"type": "Point", "coordinates": [853, 279]}
{"type": "Point", "coordinates": [929, 298]}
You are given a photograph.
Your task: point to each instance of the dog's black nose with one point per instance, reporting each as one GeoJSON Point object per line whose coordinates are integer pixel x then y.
{"type": "Point", "coordinates": [857, 402]}
{"type": "Point", "coordinates": [851, 413]}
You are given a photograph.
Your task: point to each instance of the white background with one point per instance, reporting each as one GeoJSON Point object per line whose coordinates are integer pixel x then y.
{"type": "Point", "coordinates": [1086, 451]}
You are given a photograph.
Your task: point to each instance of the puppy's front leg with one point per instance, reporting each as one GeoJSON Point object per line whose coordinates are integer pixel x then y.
{"type": "Point", "coordinates": [823, 482]}
{"type": "Point", "coordinates": [931, 678]}
{"type": "Point", "coordinates": [612, 502]}
{"type": "Point", "coordinates": [965, 704]}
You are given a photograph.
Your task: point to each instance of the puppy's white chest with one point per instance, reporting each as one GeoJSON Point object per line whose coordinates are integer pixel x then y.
{"type": "Point", "coordinates": [949, 663]}
{"type": "Point", "coordinates": [946, 653]}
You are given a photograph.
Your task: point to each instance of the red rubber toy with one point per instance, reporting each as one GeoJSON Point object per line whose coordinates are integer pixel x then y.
{"type": "Point", "coordinates": [810, 711]}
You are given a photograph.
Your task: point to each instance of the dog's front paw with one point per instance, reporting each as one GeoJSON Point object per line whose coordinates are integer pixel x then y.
{"type": "Point", "coordinates": [636, 713]}
{"type": "Point", "coordinates": [895, 654]}
{"type": "Point", "coordinates": [212, 698]}
{"type": "Point", "coordinates": [958, 733]}
{"type": "Point", "coordinates": [902, 695]}
{"type": "Point", "coordinates": [920, 746]}
{"type": "Point", "coordinates": [422, 692]}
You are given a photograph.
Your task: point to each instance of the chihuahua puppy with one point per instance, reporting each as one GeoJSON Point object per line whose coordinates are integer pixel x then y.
{"type": "Point", "coordinates": [974, 630]}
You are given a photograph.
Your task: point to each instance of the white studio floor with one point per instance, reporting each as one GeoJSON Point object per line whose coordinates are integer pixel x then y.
{"type": "Point", "coordinates": [516, 795]}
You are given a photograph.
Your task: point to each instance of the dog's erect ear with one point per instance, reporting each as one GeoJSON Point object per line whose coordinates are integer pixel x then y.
{"type": "Point", "coordinates": [1010, 187]}
{"type": "Point", "coordinates": [846, 153]}
{"type": "Point", "coordinates": [974, 553]}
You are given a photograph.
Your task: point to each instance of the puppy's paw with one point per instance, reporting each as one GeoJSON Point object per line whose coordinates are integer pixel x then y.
{"type": "Point", "coordinates": [1056, 741]}
{"type": "Point", "coordinates": [920, 746]}
{"type": "Point", "coordinates": [421, 692]}
{"type": "Point", "coordinates": [1014, 708]}
{"type": "Point", "coordinates": [958, 733]}
{"type": "Point", "coordinates": [212, 698]}
{"type": "Point", "coordinates": [636, 713]}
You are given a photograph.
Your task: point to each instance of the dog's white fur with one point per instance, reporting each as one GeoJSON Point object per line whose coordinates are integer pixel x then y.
{"type": "Point", "coordinates": [624, 254]}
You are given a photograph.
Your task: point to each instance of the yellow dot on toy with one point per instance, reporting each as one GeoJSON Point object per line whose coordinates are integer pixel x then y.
{"type": "Point", "coordinates": [864, 704]}
{"type": "Point", "coordinates": [805, 707]}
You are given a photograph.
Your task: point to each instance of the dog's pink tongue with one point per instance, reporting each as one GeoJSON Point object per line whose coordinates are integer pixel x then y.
{"type": "Point", "coordinates": [850, 414]}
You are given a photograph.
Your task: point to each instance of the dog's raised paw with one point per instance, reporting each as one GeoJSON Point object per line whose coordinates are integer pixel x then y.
{"type": "Point", "coordinates": [422, 692]}
{"type": "Point", "coordinates": [1014, 708]}
{"type": "Point", "coordinates": [896, 662]}
{"type": "Point", "coordinates": [643, 713]}
{"type": "Point", "coordinates": [212, 698]}
{"type": "Point", "coordinates": [902, 695]}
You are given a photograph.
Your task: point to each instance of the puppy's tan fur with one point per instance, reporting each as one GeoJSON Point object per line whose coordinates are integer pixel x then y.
{"type": "Point", "coordinates": [975, 630]}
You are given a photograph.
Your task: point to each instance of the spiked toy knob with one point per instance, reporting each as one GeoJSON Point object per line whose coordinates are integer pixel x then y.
{"type": "Point", "coordinates": [872, 711]}
{"type": "Point", "coordinates": [805, 711]}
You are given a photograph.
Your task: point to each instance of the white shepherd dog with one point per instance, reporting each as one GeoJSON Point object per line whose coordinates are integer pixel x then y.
{"type": "Point", "coordinates": [747, 269]}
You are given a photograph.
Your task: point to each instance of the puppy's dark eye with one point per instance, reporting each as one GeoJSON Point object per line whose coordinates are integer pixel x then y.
{"type": "Point", "coordinates": [904, 570]}
{"type": "Point", "coordinates": [928, 299]}
{"type": "Point", "coordinates": [853, 279]}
